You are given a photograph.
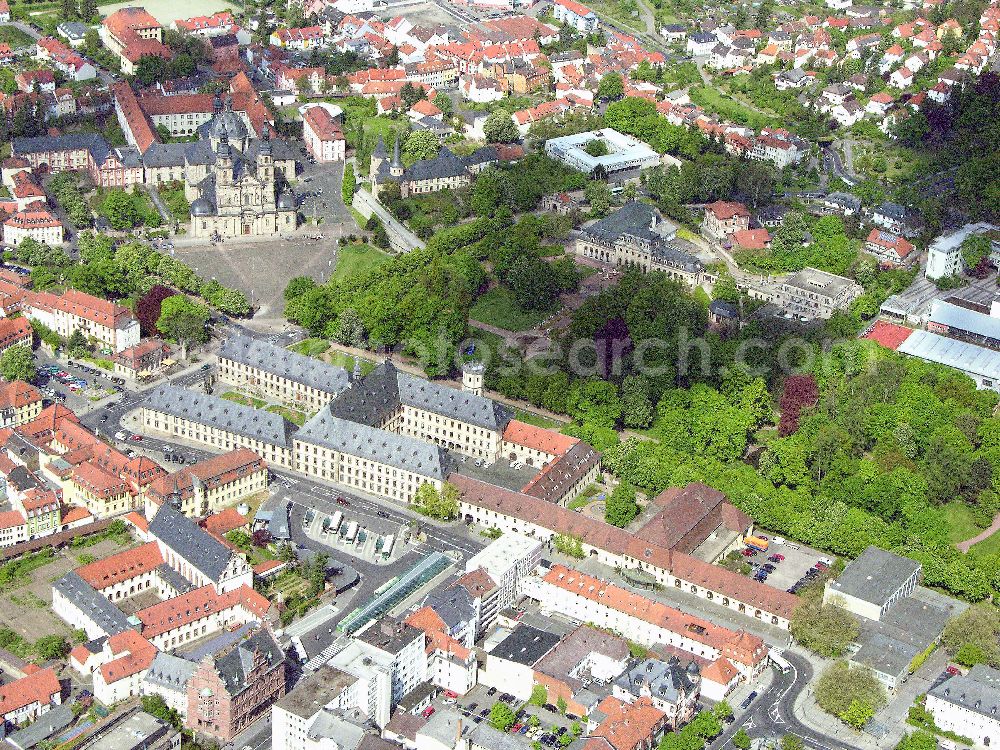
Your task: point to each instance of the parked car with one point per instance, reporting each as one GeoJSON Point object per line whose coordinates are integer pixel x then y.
{"type": "Point", "coordinates": [953, 670]}
{"type": "Point", "coordinates": [748, 700]}
{"type": "Point", "coordinates": [342, 501]}
{"type": "Point", "coordinates": [428, 712]}
{"type": "Point", "coordinates": [776, 558]}
{"type": "Point", "coordinates": [136, 438]}
{"type": "Point", "coordinates": [747, 552]}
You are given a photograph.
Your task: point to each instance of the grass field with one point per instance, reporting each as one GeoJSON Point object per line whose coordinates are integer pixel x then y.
{"type": "Point", "coordinates": [166, 11]}
{"type": "Point", "coordinates": [311, 347]}
{"type": "Point", "coordinates": [14, 37]}
{"type": "Point", "coordinates": [529, 417]}
{"type": "Point", "coordinates": [353, 259]}
{"type": "Point", "coordinates": [347, 362]}
{"type": "Point", "coordinates": [962, 524]}
{"type": "Point", "coordinates": [725, 106]}
{"type": "Point", "coordinates": [498, 308]}
{"type": "Point", "coordinates": [295, 417]}
{"type": "Point", "coordinates": [239, 398]}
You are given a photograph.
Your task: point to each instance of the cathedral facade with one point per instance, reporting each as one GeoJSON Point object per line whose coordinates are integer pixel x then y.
{"type": "Point", "coordinates": [237, 193]}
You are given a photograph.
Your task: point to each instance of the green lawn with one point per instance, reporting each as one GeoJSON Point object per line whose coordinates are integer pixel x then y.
{"type": "Point", "coordinates": [961, 524]}
{"type": "Point", "coordinates": [727, 107]}
{"type": "Point", "coordinates": [311, 347]}
{"type": "Point", "coordinates": [239, 398]}
{"type": "Point", "coordinates": [14, 37]}
{"type": "Point", "coordinates": [293, 416]}
{"type": "Point", "coordinates": [498, 308]}
{"type": "Point", "coordinates": [353, 259]}
{"type": "Point", "coordinates": [347, 362]}
{"type": "Point", "coordinates": [529, 417]}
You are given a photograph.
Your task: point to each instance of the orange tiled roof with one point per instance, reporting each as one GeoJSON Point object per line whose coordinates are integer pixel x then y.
{"type": "Point", "coordinates": [37, 687]}
{"type": "Point", "coordinates": [548, 441]}
{"type": "Point", "coordinates": [121, 566]}
{"type": "Point", "coordinates": [195, 605]}
{"type": "Point", "coordinates": [136, 654]}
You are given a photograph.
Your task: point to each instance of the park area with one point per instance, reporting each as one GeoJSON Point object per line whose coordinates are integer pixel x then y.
{"type": "Point", "coordinates": [498, 308]}
{"type": "Point", "coordinates": [14, 37]}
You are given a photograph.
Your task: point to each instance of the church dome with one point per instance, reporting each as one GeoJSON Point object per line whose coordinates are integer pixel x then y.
{"type": "Point", "coordinates": [201, 207]}
{"type": "Point", "coordinates": [227, 125]}
{"type": "Point", "coordinates": [286, 201]}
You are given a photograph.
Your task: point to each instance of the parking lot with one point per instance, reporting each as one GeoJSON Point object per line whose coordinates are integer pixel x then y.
{"type": "Point", "coordinates": [787, 564]}
{"type": "Point", "coordinates": [77, 385]}
{"type": "Point", "coordinates": [544, 724]}
{"type": "Point", "coordinates": [377, 540]}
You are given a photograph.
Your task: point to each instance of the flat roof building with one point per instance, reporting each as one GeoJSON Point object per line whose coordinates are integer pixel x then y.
{"type": "Point", "coordinates": [618, 152]}
{"type": "Point", "coordinates": [873, 582]}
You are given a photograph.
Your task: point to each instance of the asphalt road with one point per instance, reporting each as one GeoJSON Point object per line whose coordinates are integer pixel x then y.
{"type": "Point", "coordinates": [772, 713]}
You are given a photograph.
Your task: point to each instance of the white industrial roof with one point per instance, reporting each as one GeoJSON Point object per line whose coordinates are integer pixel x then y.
{"type": "Point", "coordinates": [953, 353]}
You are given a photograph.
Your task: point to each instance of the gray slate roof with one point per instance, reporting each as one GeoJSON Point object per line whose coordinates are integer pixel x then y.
{"type": "Point", "coordinates": [664, 680]}
{"type": "Point", "coordinates": [375, 444]}
{"type": "Point", "coordinates": [222, 414]}
{"type": "Point", "coordinates": [94, 605]}
{"type": "Point", "coordinates": [380, 394]}
{"type": "Point", "coordinates": [279, 361]}
{"type": "Point", "coordinates": [56, 719]}
{"type": "Point", "coordinates": [169, 672]}
{"type": "Point", "coordinates": [978, 691]}
{"type": "Point", "coordinates": [190, 542]}
{"type": "Point", "coordinates": [236, 666]}
{"type": "Point", "coordinates": [875, 576]}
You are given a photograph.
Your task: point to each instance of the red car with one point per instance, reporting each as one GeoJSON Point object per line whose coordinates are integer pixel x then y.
{"type": "Point", "coordinates": [450, 694]}
{"type": "Point", "coordinates": [427, 712]}
{"type": "Point", "coordinates": [342, 501]}
{"type": "Point", "coordinates": [776, 558]}
{"type": "Point", "coordinates": [953, 670]}
{"type": "Point", "coordinates": [747, 552]}
{"type": "Point", "coordinates": [821, 566]}
{"type": "Point", "coordinates": [136, 438]}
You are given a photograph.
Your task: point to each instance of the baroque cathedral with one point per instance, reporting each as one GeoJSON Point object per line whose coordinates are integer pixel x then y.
{"type": "Point", "coordinates": [235, 192]}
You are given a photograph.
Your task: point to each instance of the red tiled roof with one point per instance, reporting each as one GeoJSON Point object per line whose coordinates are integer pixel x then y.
{"type": "Point", "coordinates": [121, 566]}
{"type": "Point", "coordinates": [75, 513]}
{"type": "Point", "coordinates": [752, 239]}
{"type": "Point", "coordinates": [547, 441]}
{"type": "Point", "coordinates": [142, 130]}
{"type": "Point", "coordinates": [195, 605]}
{"type": "Point", "coordinates": [136, 655]}
{"type": "Point", "coordinates": [224, 522]}
{"type": "Point", "coordinates": [627, 726]}
{"type": "Point", "coordinates": [727, 209]}
{"type": "Point", "coordinates": [322, 123]}
{"type": "Point", "coordinates": [17, 394]}
{"type": "Point", "coordinates": [38, 687]}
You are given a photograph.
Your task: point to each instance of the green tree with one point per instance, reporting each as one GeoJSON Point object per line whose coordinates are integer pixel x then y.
{"type": "Point", "coordinates": [598, 195]}
{"type": "Point", "coordinates": [791, 742]}
{"type": "Point", "coordinates": [348, 186]}
{"type": "Point", "coordinates": [502, 718]}
{"type": "Point", "coordinates": [621, 508]}
{"type": "Point", "coordinates": [539, 695]}
{"type": "Point", "coordinates": [917, 741]}
{"type": "Point", "coordinates": [77, 343]}
{"type": "Point", "coordinates": [849, 693]}
{"type": "Point", "coordinates": [119, 209]}
{"type": "Point", "coordinates": [154, 705]}
{"type": "Point", "coordinates": [561, 705]}
{"type": "Point", "coordinates": [857, 714]}
{"type": "Point", "coordinates": [824, 629]}
{"type": "Point", "coordinates": [969, 655]}
{"type": "Point", "coordinates": [441, 505]}
{"type": "Point", "coordinates": [500, 128]}
{"type": "Point", "coordinates": [977, 631]}
{"type": "Point", "coordinates": [183, 321]}
{"type": "Point", "coordinates": [611, 87]}
{"type": "Point", "coordinates": [568, 545]}
{"type": "Point", "coordinates": [420, 145]}
{"type": "Point", "coordinates": [741, 739]}
{"type": "Point", "coordinates": [17, 363]}
{"type": "Point", "coordinates": [443, 102]}
{"type": "Point", "coordinates": [51, 647]}
{"type": "Point", "coordinates": [637, 406]}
